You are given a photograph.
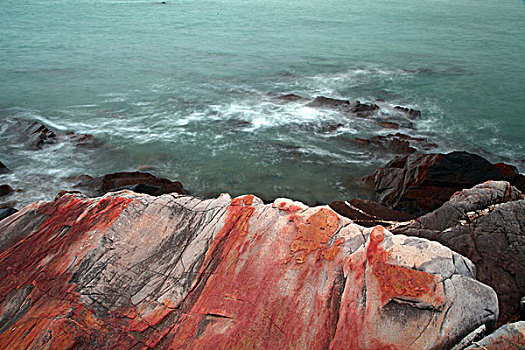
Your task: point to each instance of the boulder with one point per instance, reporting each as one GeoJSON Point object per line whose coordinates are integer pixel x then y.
{"type": "Point", "coordinates": [397, 143]}
{"type": "Point", "coordinates": [5, 190]}
{"type": "Point", "coordinates": [420, 183]}
{"type": "Point", "coordinates": [136, 181]}
{"type": "Point", "coordinates": [4, 169]}
{"type": "Point", "coordinates": [507, 337]}
{"type": "Point", "coordinates": [134, 271]}
{"type": "Point", "coordinates": [369, 213]}
{"type": "Point", "coordinates": [486, 224]}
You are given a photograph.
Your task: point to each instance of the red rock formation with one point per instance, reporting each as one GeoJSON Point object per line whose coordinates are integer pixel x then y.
{"type": "Point", "coordinates": [132, 271]}
{"type": "Point", "coordinates": [486, 224]}
{"type": "Point", "coordinates": [420, 183]}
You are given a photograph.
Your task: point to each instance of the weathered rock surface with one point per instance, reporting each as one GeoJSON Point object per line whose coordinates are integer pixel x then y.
{"type": "Point", "coordinates": [5, 190]}
{"type": "Point", "coordinates": [397, 143]}
{"type": "Point", "coordinates": [420, 183]}
{"type": "Point", "coordinates": [507, 337]}
{"type": "Point", "coordinates": [369, 213]}
{"type": "Point", "coordinates": [487, 225]}
{"type": "Point", "coordinates": [134, 271]}
{"type": "Point", "coordinates": [136, 181]}
{"type": "Point", "coordinates": [4, 169]}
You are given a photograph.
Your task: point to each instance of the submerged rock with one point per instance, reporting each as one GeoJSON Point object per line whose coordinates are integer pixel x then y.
{"type": "Point", "coordinates": [395, 143]}
{"type": "Point", "coordinates": [409, 112]}
{"type": "Point", "coordinates": [290, 98]}
{"type": "Point", "coordinates": [136, 181]}
{"type": "Point", "coordinates": [420, 183]}
{"type": "Point", "coordinates": [369, 213]}
{"type": "Point", "coordinates": [36, 135]}
{"type": "Point", "coordinates": [507, 337]}
{"type": "Point", "coordinates": [4, 169]}
{"type": "Point", "coordinates": [176, 272]}
{"type": "Point", "coordinates": [486, 224]}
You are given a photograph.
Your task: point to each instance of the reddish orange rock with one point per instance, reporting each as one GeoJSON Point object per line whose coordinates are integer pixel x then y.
{"type": "Point", "coordinates": [132, 271]}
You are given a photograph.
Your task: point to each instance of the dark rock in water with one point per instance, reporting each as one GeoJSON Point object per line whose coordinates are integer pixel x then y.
{"type": "Point", "coordinates": [83, 140]}
{"type": "Point", "coordinates": [363, 110]}
{"type": "Point", "coordinates": [132, 271]}
{"type": "Point", "coordinates": [369, 213]}
{"type": "Point", "coordinates": [507, 337]}
{"type": "Point", "coordinates": [5, 190]}
{"type": "Point", "coordinates": [4, 169]}
{"type": "Point", "coordinates": [330, 128]}
{"type": "Point", "coordinates": [487, 225]}
{"type": "Point", "coordinates": [395, 143]}
{"type": "Point", "coordinates": [290, 98]}
{"type": "Point", "coordinates": [35, 134]}
{"type": "Point", "coordinates": [5, 212]}
{"type": "Point", "coordinates": [389, 125]}
{"type": "Point", "coordinates": [410, 113]}
{"type": "Point", "coordinates": [419, 183]}
{"type": "Point", "coordinates": [327, 102]}
{"type": "Point", "coordinates": [129, 180]}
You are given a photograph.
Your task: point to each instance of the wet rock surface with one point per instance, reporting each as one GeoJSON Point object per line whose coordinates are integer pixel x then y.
{"type": "Point", "coordinates": [486, 224]}
{"type": "Point", "coordinates": [36, 135]}
{"type": "Point", "coordinates": [507, 337]}
{"type": "Point", "coordinates": [135, 271]}
{"type": "Point", "coordinates": [369, 213]}
{"type": "Point", "coordinates": [5, 190]}
{"type": "Point", "coordinates": [395, 143]}
{"type": "Point", "coordinates": [4, 169]}
{"type": "Point", "coordinates": [420, 183]}
{"type": "Point", "coordinates": [136, 181]}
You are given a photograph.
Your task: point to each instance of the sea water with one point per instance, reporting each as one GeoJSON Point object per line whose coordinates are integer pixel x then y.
{"type": "Point", "coordinates": [188, 87]}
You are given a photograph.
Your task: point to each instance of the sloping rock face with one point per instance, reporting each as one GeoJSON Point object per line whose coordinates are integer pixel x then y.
{"type": "Point", "coordinates": [487, 225]}
{"type": "Point", "coordinates": [132, 271]}
{"type": "Point", "coordinates": [508, 337]}
{"type": "Point", "coordinates": [421, 183]}
{"type": "Point", "coordinates": [369, 213]}
{"type": "Point", "coordinates": [4, 169]}
{"type": "Point", "coordinates": [135, 181]}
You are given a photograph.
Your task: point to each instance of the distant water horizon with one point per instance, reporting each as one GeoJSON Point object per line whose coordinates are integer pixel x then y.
{"type": "Point", "coordinates": [189, 88]}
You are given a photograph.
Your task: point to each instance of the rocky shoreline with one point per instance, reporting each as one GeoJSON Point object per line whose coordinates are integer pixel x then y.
{"type": "Point", "coordinates": [436, 262]}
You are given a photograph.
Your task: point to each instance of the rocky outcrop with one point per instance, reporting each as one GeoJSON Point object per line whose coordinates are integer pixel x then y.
{"type": "Point", "coordinates": [136, 181]}
{"type": "Point", "coordinates": [362, 110]}
{"type": "Point", "coordinates": [409, 112]}
{"type": "Point", "coordinates": [397, 143]}
{"type": "Point", "coordinates": [487, 225]}
{"type": "Point", "coordinates": [421, 183]}
{"type": "Point", "coordinates": [134, 271]}
{"type": "Point", "coordinates": [507, 337]}
{"type": "Point", "coordinates": [36, 135]}
{"type": "Point", "coordinates": [369, 213]}
{"type": "Point", "coordinates": [4, 169]}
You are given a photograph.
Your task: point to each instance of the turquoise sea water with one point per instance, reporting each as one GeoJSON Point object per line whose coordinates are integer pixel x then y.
{"type": "Point", "coordinates": [188, 87]}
